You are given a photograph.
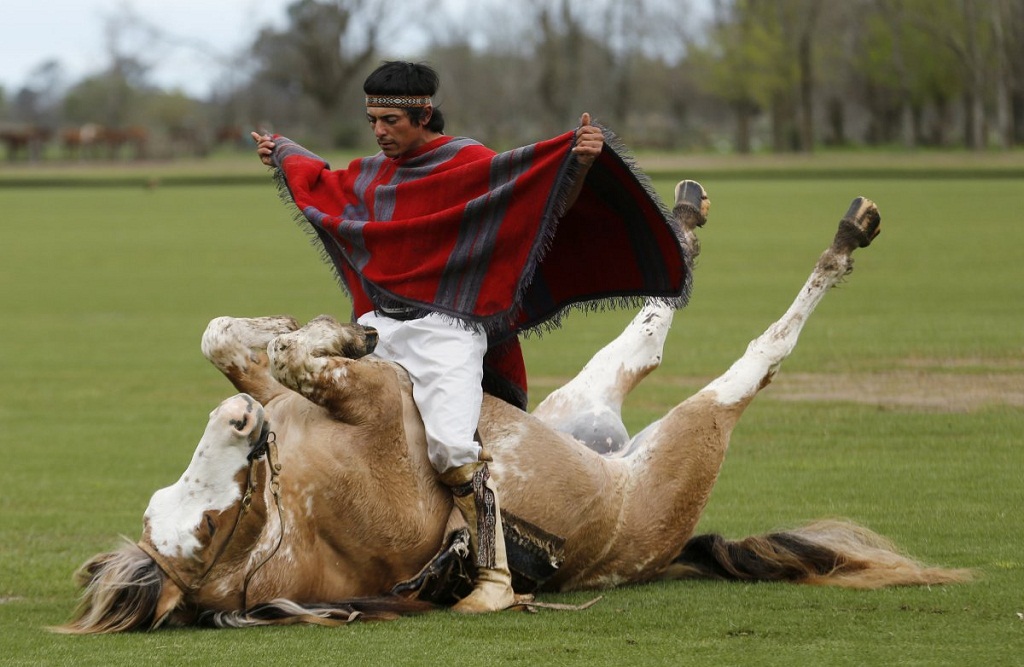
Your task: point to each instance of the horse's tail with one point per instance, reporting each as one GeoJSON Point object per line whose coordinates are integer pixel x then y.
{"type": "Point", "coordinates": [828, 552]}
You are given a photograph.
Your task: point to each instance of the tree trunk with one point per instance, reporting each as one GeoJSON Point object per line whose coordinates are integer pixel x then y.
{"type": "Point", "coordinates": [805, 58]}
{"type": "Point", "coordinates": [743, 118]}
{"type": "Point", "coordinates": [836, 122]}
{"type": "Point", "coordinates": [907, 134]}
{"type": "Point", "coordinates": [974, 119]}
{"type": "Point", "coordinates": [974, 106]}
{"type": "Point", "coordinates": [785, 128]}
{"type": "Point", "coordinates": [806, 95]}
{"type": "Point", "coordinates": [1017, 114]}
{"type": "Point", "coordinates": [940, 131]}
{"type": "Point", "coordinates": [1003, 75]}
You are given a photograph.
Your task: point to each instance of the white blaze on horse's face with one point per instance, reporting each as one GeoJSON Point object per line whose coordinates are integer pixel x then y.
{"type": "Point", "coordinates": [210, 483]}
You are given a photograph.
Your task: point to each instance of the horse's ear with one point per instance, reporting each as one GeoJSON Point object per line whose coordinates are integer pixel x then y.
{"type": "Point", "coordinates": [170, 597]}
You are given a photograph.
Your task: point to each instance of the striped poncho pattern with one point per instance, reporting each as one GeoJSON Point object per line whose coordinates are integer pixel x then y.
{"type": "Point", "coordinates": [485, 237]}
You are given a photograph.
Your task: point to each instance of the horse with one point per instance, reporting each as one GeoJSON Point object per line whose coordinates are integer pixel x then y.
{"type": "Point", "coordinates": [30, 139]}
{"type": "Point", "coordinates": [310, 499]}
{"type": "Point", "coordinates": [87, 141]}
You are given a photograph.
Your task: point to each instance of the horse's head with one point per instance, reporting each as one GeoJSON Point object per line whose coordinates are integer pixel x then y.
{"type": "Point", "coordinates": [197, 533]}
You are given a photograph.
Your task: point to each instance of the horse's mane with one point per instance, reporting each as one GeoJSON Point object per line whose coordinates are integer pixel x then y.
{"type": "Point", "coordinates": [286, 612]}
{"type": "Point", "coordinates": [121, 591]}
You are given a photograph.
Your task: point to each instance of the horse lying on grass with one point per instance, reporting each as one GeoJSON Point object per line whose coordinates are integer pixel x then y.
{"type": "Point", "coordinates": [310, 497]}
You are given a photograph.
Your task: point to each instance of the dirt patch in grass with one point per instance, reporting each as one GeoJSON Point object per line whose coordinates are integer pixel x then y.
{"type": "Point", "coordinates": [957, 385]}
{"type": "Point", "coordinates": [906, 389]}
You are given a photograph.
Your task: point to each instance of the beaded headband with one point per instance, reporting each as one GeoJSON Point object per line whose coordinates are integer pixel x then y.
{"type": "Point", "coordinates": [398, 101]}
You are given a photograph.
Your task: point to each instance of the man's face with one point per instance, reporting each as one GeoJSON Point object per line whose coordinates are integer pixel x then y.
{"type": "Point", "coordinates": [396, 134]}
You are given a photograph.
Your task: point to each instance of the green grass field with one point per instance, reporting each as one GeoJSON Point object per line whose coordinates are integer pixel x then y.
{"type": "Point", "coordinates": [902, 408]}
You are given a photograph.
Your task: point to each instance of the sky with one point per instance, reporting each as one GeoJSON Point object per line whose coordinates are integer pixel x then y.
{"type": "Point", "coordinates": [73, 33]}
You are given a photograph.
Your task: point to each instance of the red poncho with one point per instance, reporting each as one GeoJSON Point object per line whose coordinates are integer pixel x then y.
{"type": "Point", "coordinates": [455, 228]}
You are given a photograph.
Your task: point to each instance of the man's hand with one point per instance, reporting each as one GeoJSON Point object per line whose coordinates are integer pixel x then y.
{"type": "Point", "coordinates": [264, 147]}
{"type": "Point", "coordinates": [589, 141]}
{"type": "Point", "coordinates": [587, 146]}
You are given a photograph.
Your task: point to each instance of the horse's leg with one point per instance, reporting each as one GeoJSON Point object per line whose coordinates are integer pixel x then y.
{"type": "Point", "coordinates": [765, 354]}
{"type": "Point", "coordinates": [371, 405]}
{"type": "Point", "coordinates": [589, 407]}
{"type": "Point", "coordinates": [326, 362]}
{"type": "Point", "coordinates": [675, 468]}
{"type": "Point", "coordinates": [238, 348]}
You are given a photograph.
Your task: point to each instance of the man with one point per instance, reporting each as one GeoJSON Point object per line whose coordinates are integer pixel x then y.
{"type": "Point", "coordinates": [440, 243]}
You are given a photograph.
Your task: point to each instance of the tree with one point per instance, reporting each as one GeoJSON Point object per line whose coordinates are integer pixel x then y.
{"type": "Point", "coordinates": [1006, 18]}
{"type": "Point", "coordinates": [1013, 27]}
{"type": "Point", "coordinates": [560, 56]}
{"type": "Point", "coordinates": [660, 73]}
{"type": "Point", "coordinates": [326, 45]}
{"type": "Point", "coordinates": [802, 16]}
{"type": "Point", "coordinates": [739, 63]}
{"type": "Point", "coordinates": [963, 28]}
{"type": "Point", "coordinates": [39, 101]}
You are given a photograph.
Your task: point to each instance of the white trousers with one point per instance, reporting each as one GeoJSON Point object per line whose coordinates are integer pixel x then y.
{"type": "Point", "coordinates": [445, 362]}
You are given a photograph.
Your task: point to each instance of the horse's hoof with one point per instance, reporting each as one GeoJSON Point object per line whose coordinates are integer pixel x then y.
{"type": "Point", "coordinates": [692, 204]}
{"type": "Point", "coordinates": [859, 227]}
{"type": "Point", "coordinates": [370, 339]}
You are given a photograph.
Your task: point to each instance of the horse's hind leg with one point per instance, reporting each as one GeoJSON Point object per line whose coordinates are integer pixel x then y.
{"type": "Point", "coordinates": [238, 348]}
{"type": "Point", "coordinates": [677, 464]}
{"type": "Point", "coordinates": [766, 353]}
{"type": "Point", "coordinates": [589, 407]}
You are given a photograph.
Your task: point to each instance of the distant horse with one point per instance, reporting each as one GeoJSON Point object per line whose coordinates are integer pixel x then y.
{"type": "Point", "coordinates": [310, 497]}
{"type": "Point", "coordinates": [93, 141]}
{"type": "Point", "coordinates": [30, 140]}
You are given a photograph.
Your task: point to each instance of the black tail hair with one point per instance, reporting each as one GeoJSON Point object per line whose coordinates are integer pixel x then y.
{"type": "Point", "coordinates": [771, 557]}
{"type": "Point", "coordinates": [828, 552]}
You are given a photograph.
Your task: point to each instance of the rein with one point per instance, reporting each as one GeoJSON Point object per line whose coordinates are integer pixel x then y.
{"type": "Point", "coordinates": [265, 447]}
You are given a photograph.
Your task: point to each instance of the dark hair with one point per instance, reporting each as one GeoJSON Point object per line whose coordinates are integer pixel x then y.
{"type": "Point", "coordinates": [403, 78]}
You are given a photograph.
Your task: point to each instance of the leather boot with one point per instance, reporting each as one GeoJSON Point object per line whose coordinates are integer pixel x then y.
{"type": "Point", "coordinates": [477, 500]}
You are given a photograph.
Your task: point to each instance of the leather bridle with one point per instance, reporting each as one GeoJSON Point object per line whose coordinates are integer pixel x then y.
{"type": "Point", "coordinates": [266, 447]}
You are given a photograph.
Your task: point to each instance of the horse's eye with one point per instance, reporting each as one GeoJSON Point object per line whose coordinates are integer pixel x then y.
{"type": "Point", "coordinates": [210, 525]}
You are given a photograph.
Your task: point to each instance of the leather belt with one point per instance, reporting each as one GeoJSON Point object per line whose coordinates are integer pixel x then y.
{"type": "Point", "coordinates": [401, 313]}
